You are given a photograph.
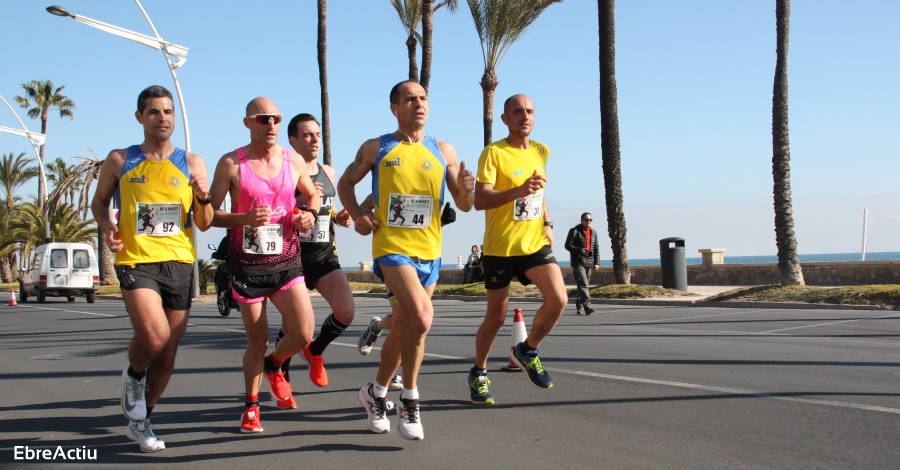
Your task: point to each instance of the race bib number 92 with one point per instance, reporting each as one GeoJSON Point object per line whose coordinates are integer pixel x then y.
{"type": "Point", "coordinates": [158, 220]}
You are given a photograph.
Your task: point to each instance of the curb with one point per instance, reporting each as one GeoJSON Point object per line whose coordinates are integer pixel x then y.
{"type": "Point", "coordinates": [666, 303]}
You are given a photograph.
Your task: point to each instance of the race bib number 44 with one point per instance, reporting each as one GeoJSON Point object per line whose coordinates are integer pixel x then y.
{"type": "Point", "coordinates": [529, 207]}
{"type": "Point", "coordinates": [319, 233]}
{"type": "Point", "coordinates": [263, 240]}
{"type": "Point", "coordinates": [158, 220]}
{"type": "Point", "coordinates": [409, 211]}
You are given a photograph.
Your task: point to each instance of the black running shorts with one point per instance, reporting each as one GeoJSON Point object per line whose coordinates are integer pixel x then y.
{"type": "Point", "coordinates": [313, 270]}
{"type": "Point", "coordinates": [500, 270]}
{"type": "Point", "coordinates": [172, 280]}
{"type": "Point", "coordinates": [253, 286]}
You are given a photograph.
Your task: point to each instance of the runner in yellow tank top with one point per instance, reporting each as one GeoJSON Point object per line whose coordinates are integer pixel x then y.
{"type": "Point", "coordinates": [157, 186]}
{"type": "Point", "coordinates": [409, 173]}
{"type": "Point", "coordinates": [518, 239]}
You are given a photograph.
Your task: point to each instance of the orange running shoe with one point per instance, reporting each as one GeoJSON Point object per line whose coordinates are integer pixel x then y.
{"type": "Point", "coordinates": [288, 404]}
{"type": "Point", "coordinates": [316, 367]}
{"type": "Point", "coordinates": [250, 420]}
{"type": "Point", "coordinates": [280, 388]}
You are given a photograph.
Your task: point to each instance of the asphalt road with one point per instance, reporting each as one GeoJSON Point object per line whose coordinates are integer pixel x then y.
{"type": "Point", "coordinates": [635, 387]}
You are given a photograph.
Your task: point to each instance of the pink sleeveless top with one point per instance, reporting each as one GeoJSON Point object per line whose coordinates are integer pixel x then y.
{"type": "Point", "coordinates": [278, 193]}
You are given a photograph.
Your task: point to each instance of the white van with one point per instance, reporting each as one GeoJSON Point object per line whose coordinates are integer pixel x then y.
{"type": "Point", "coordinates": [61, 270]}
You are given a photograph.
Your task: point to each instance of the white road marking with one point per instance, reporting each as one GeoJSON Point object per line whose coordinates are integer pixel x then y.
{"type": "Point", "coordinates": [71, 311]}
{"type": "Point", "coordinates": [828, 323]}
{"type": "Point", "coordinates": [686, 318]}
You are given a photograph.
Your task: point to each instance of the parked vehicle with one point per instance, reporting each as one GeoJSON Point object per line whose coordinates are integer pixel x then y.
{"type": "Point", "coordinates": [222, 279]}
{"type": "Point", "coordinates": [61, 270]}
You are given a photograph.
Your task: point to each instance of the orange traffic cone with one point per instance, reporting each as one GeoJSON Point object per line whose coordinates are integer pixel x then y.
{"type": "Point", "coordinates": [12, 298]}
{"type": "Point", "coordinates": [518, 335]}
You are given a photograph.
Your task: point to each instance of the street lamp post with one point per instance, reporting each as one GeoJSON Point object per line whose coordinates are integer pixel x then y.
{"type": "Point", "coordinates": [36, 139]}
{"type": "Point", "coordinates": [169, 50]}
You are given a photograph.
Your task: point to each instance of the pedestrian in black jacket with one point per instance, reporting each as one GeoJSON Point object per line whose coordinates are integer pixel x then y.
{"type": "Point", "coordinates": [584, 256]}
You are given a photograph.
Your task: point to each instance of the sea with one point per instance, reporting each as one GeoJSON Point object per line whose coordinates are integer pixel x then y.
{"type": "Point", "coordinates": [878, 256]}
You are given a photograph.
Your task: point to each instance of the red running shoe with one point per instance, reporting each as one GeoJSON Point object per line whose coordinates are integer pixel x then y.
{"type": "Point", "coordinates": [316, 367]}
{"type": "Point", "coordinates": [280, 388]}
{"type": "Point", "coordinates": [250, 420]}
{"type": "Point", "coordinates": [288, 404]}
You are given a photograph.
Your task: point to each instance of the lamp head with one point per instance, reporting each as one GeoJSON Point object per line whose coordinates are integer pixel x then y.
{"type": "Point", "coordinates": [58, 11]}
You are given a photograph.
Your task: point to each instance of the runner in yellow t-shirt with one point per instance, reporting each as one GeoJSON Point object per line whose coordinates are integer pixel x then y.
{"type": "Point", "coordinates": [512, 174]}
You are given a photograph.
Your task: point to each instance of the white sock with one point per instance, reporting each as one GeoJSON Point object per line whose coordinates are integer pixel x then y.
{"type": "Point", "coordinates": [410, 394]}
{"type": "Point", "coordinates": [378, 391]}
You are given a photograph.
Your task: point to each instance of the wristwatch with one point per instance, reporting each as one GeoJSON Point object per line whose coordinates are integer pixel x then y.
{"type": "Point", "coordinates": [203, 202]}
{"type": "Point", "coordinates": [548, 224]}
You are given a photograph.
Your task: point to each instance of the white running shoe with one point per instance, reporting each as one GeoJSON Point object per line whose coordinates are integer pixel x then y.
{"type": "Point", "coordinates": [368, 338]}
{"type": "Point", "coordinates": [134, 402]}
{"type": "Point", "coordinates": [410, 422]}
{"type": "Point", "coordinates": [396, 383]}
{"type": "Point", "coordinates": [142, 433]}
{"type": "Point", "coordinates": [376, 410]}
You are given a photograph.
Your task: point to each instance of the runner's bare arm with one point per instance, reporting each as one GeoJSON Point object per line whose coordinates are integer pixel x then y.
{"type": "Point", "coordinates": [460, 181]}
{"type": "Point", "coordinates": [107, 183]}
{"type": "Point", "coordinates": [362, 164]}
{"type": "Point", "coordinates": [203, 213]}
{"type": "Point", "coordinates": [487, 198]}
{"type": "Point", "coordinates": [308, 190]}
{"type": "Point", "coordinates": [227, 182]}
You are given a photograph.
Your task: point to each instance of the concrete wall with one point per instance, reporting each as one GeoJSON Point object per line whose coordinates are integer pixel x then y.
{"type": "Point", "coordinates": [839, 273]}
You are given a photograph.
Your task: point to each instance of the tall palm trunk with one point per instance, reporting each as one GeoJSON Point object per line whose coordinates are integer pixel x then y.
{"type": "Point", "coordinates": [323, 84]}
{"type": "Point", "coordinates": [489, 84]}
{"type": "Point", "coordinates": [427, 28]}
{"type": "Point", "coordinates": [609, 134]}
{"type": "Point", "coordinates": [788, 259]}
{"type": "Point", "coordinates": [411, 50]}
{"type": "Point", "coordinates": [106, 261]}
{"type": "Point", "coordinates": [5, 270]}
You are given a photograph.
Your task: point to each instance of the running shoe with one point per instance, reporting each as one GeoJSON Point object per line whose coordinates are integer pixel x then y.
{"type": "Point", "coordinates": [134, 402]}
{"type": "Point", "coordinates": [410, 422]}
{"type": "Point", "coordinates": [531, 364]}
{"type": "Point", "coordinates": [142, 433]}
{"type": "Point", "coordinates": [588, 310]}
{"type": "Point", "coordinates": [288, 404]}
{"type": "Point", "coordinates": [280, 387]}
{"type": "Point", "coordinates": [478, 389]}
{"type": "Point", "coordinates": [316, 367]}
{"type": "Point", "coordinates": [368, 338]}
{"type": "Point", "coordinates": [376, 410]}
{"type": "Point", "coordinates": [250, 420]}
{"type": "Point", "coordinates": [396, 383]}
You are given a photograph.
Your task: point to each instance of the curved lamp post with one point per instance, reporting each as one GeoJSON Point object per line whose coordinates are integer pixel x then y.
{"type": "Point", "coordinates": [36, 139]}
{"type": "Point", "coordinates": [169, 50]}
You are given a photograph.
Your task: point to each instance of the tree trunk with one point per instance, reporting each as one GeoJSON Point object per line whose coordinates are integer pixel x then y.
{"type": "Point", "coordinates": [427, 27]}
{"type": "Point", "coordinates": [323, 84]}
{"type": "Point", "coordinates": [411, 50]}
{"type": "Point", "coordinates": [609, 135]}
{"type": "Point", "coordinates": [788, 259]}
{"type": "Point", "coordinates": [489, 84]}
{"type": "Point", "coordinates": [6, 273]}
{"type": "Point", "coordinates": [106, 261]}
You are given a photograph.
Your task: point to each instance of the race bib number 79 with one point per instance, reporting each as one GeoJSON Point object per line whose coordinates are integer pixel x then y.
{"type": "Point", "coordinates": [158, 220]}
{"type": "Point", "coordinates": [263, 240]}
{"type": "Point", "coordinates": [409, 211]}
{"type": "Point", "coordinates": [529, 207]}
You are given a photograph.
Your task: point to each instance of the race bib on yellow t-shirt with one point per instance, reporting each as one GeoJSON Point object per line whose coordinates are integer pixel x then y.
{"type": "Point", "coordinates": [408, 211]}
{"type": "Point", "coordinates": [158, 220]}
{"type": "Point", "coordinates": [529, 207]}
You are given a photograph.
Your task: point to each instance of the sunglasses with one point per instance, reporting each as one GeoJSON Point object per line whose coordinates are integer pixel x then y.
{"type": "Point", "coordinates": [266, 118]}
{"type": "Point", "coordinates": [588, 220]}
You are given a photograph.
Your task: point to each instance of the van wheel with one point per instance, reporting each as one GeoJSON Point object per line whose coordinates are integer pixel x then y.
{"type": "Point", "coordinates": [91, 296]}
{"type": "Point", "coordinates": [70, 298]}
{"type": "Point", "coordinates": [41, 296]}
{"type": "Point", "coordinates": [23, 296]}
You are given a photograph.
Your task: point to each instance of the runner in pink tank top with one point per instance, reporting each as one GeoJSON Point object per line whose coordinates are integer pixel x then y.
{"type": "Point", "coordinates": [264, 248]}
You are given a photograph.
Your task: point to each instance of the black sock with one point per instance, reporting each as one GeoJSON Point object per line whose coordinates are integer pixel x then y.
{"type": "Point", "coordinates": [525, 347]}
{"type": "Point", "coordinates": [475, 370]}
{"type": "Point", "coordinates": [279, 337]}
{"type": "Point", "coordinates": [270, 366]}
{"type": "Point", "coordinates": [286, 365]}
{"type": "Point", "coordinates": [248, 403]}
{"type": "Point", "coordinates": [331, 329]}
{"type": "Point", "coordinates": [136, 375]}
{"type": "Point", "coordinates": [149, 410]}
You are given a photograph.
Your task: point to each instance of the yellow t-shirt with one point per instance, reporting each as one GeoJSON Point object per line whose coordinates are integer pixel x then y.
{"type": "Point", "coordinates": [517, 227]}
{"type": "Point", "coordinates": [408, 186]}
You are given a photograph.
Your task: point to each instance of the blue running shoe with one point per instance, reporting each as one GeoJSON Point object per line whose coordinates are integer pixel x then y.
{"type": "Point", "coordinates": [531, 364]}
{"type": "Point", "coordinates": [478, 388]}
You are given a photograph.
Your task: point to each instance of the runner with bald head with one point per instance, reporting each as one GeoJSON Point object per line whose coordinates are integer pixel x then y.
{"type": "Point", "coordinates": [261, 179]}
{"type": "Point", "coordinates": [518, 237]}
{"type": "Point", "coordinates": [409, 172]}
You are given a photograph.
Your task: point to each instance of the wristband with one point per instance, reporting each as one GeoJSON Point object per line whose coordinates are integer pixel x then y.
{"type": "Point", "coordinates": [315, 213]}
{"type": "Point", "coordinates": [548, 224]}
{"type": "Point", "coordinates": [203, 202]}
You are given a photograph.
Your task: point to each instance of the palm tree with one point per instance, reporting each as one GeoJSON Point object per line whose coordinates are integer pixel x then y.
{"type": "Point", "coordinates": [323, 83]}
{"type": "Point", "coordinates": [788, 259]}
{"type": "Point", "coordinates": [14, 172]}
{"type": "Point", "coordinates": [609, 146]}
{"type": "Point", "coordinates": [499, 24]}
{"type": "Point", "coordinates": [42, 98]}
{"type": "Point", "coordinates": [206, 273]}
{"type": "Point", "coordinates": [428, 9]}
{"type": "Point", "coordinates": [65, 227]}
{"type": "Point", "coordinates": [8, 246]}
{"type": "Point", "coordinates": [58, 170]}
{"type": "Point", "coordinates": [410, 13]}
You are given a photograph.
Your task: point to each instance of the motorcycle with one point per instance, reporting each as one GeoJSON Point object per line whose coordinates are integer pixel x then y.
{"type": "Point", "coordinates": [222, 279]}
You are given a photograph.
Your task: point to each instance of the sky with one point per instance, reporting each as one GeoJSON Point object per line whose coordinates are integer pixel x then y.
{"type": "Point", "coordinates": [694, 100]}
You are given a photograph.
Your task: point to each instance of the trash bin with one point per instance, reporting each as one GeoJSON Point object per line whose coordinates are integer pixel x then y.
{"type": "Point", "coordinates": [673, 263]}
